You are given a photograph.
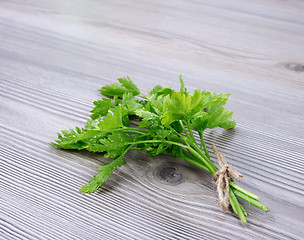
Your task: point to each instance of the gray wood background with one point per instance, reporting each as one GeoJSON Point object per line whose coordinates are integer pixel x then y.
{"type": "Point", "coordinates": [54, 55]}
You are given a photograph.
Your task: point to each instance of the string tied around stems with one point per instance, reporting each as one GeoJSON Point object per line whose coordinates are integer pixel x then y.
{"type": "Point", "coordinates": [222, 177]}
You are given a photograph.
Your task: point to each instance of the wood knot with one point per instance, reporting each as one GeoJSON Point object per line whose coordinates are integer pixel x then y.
{"type": "Point", "coordinates": [170, 175]}
{"type": "Point", "coordinates": [295, 67]}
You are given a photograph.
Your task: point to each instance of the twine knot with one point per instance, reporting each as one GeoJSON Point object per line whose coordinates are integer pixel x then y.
{"type": "Point", "coordinates": [222, 177]}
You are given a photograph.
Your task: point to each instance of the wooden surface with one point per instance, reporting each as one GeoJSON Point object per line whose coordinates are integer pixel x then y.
{"type": "Point", "coordinates": [54, 55]}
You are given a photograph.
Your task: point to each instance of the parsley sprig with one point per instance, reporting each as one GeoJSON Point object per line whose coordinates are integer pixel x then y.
{"type": "Point", "coordinates": [166, 122]}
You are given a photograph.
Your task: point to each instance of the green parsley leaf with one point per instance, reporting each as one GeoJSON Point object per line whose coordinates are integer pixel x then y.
{"type": "Point", "coordinates": [104, 172]}
{"type": "Point", "coordinates": [145, 115]}
{"type": "Point", "coordinates": [113, 120]}
{"type": "Point", "coordinates": [129, 85]}
{"type": "Point", "coordinates": [216, 116]}
{"type": "Point", "coordinates": [115, 89]}
{"type": "Point", "coordinates": [68, 139]}
{"type": "Point", "coordinates": [180, 106]}
{"type": "Point", "coordinates": [115, 144]}
{"type": "Point", "coordinates": [101, 108]}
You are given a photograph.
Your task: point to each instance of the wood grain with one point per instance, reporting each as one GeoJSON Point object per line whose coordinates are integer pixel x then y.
{"type": "Point", "coordinates": [54, 55]}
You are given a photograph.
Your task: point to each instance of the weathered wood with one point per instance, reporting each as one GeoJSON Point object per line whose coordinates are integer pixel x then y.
{"type": "Point", "coordinates": [54, 55]}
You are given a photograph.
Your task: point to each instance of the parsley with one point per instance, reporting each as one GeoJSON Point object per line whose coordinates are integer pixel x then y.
{"type": "Point", "coordinates": [167, 120]}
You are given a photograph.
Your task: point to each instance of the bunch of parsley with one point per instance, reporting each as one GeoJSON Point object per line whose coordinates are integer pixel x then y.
{"type": "Point", "coordinates": [166, 122]}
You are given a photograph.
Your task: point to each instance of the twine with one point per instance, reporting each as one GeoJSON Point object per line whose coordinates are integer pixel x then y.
{"type": "Point", "coordinates": [222, 177]}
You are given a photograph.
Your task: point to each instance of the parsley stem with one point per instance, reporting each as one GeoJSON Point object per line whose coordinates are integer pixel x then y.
{"type": "Point", "coordinates": [233, 205]}
{"type": "Point", "coordinates": [244, 211]}
{"type": "Point", "coordinates": [125, 129]}
{"type": "Point", "coordinates": [191, 133]}
{"type": "Point", "coordinates": [201, 137]}
{"type": "Point", "coordinates": [158, 141]}
{"type": "Point", "coordinates": [184, 129]}
{"type": "Point", "coordinates": [206, 165]}
{"type": "Point", "coordinates": [201, 156]}
{"type": "Point", "coordinates": [181, 138]}
{"type": "Point", "coordinates": [196, 163]}
{"type": "Point", "coordinates": [196, 151]}
{"type": "Point", "coordinates": [236, 206]}
{"type": "Point", "coordinates": [188, 141]}
{"type": "Point", "coordinates": [177, 133]}
{"type": "Point", "coordinates": [204, 144]}
{"type": "Point", "coordinates": [189, 155]}
{"type": "Point", "coordinates": [242, 190]}
{"type": "Point", "coordinates": [193, 158]}
{"type": "Point", "coordinates": [177, 138]}
{"type": "Point", "coordinates": [136, 129]}
{"type": "Point", "coordinates": [207, 161]}
{"type": "Point", "coordinates": [250, 200]}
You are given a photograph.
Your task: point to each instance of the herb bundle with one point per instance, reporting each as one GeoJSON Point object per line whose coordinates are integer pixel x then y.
{"type": "Point", "coordinates": [167, 120]}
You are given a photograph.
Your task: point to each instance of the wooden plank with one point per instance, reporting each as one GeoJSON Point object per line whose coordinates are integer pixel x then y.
{"type": "Point", "coordinates": [54, 56]}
